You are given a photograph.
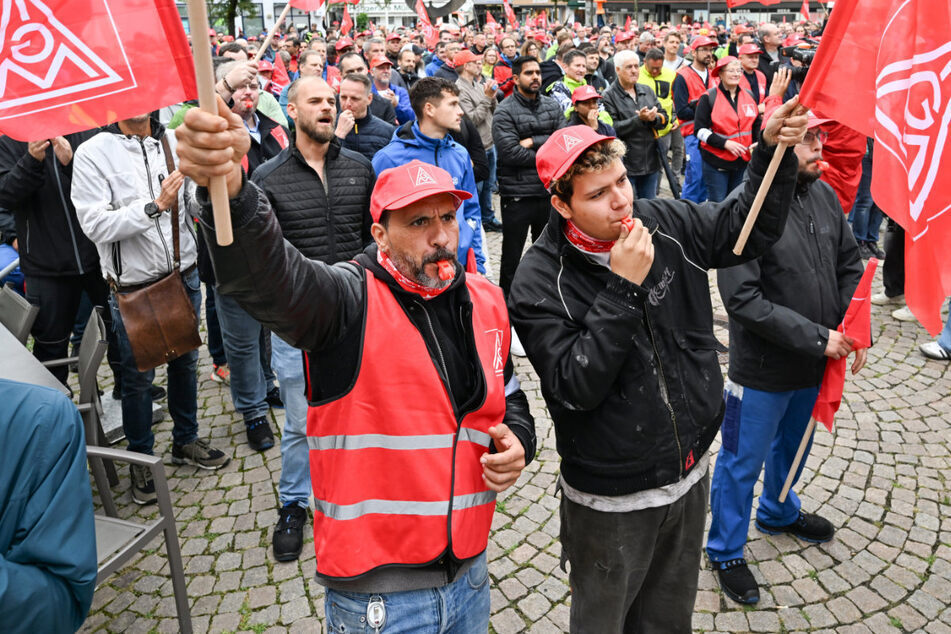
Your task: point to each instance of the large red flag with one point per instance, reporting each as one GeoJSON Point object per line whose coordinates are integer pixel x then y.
{"type": "Point", "coordinates": [71, 65]}
{"type": "Point", "coordinates": [346, 23]}
{"type": "Point", "coordinates": [430, 34]}
{"type": "Point", "coordinates": [279, 77]}
{"type": "Point", "coordinates": [627, 24]}
{"type": "Point", "coordinates": [737, 3]}
{"type": "Point", "coordinates": [804, 10]}
{"type": "Point", "coordinates": [509, 14]}
{"type": "Point", "coordinates": [306, 5]}
{"type": "Point", "coordinates": [856, 324]}
{"type": "Point", "coordinates": [883, 71]}
{"type": "Point", "coordinates": [489, 20]}
{"type": "Point", "coordinates": [544, 19]}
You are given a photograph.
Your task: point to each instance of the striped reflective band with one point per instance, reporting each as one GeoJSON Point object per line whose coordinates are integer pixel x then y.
{"type": "Point", "coordinates": [383, 441]}
{"type": "Point", "coordinates": [402, 507]}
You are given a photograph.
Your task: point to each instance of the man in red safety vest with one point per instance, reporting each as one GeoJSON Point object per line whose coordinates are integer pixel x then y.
{"type": "Point", "coordinates": [691, 82]}
{"type": "Point", "coordinates": [415, 418]}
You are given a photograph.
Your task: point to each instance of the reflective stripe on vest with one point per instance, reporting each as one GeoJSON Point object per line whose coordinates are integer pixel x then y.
{"type": "Point", "coordinates": [696, 86]}
{"type": "Point", "coordinates": [396, 476]}
{"type": "Point", "coordinates": [732, 123]}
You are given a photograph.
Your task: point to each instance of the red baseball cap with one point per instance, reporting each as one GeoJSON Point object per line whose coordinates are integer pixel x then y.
{"type": "Point", "coordinates": [740, 29]}
{"type": "Point", "coordinates": [584, 93]}
{"type": "Point", "coordinates": [562, 149]}
{"type": "Point", "coordinates": [749, 49]}
{"type": "Point", "coordinates": [380, 60]}
{"type": "Point", "coordinates": [464, 57]}
{"type": "Point", "coordinates": [394, 36]}
{"type": "Point", "coordinates": [399, 187]}
{"type": "Point", "coordinates": [815, 120]}
{"type": "Point", "coordinates": [723, 61]}
{"type": "Point", "coordinates": [343, 43]}
{"type": "Point", "coordinates": [792, 40]}
{"type": "Point", "coordinates": [701, 41]}
{"type": "Point", "coordinates": [265, 66]}
{"type": "Point", "coordinates": [212, 32]}
{"type": "Point", "coordinates": [623, 36]}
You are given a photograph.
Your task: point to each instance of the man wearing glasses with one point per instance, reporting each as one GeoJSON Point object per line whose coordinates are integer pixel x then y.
{"type": "Point", "coordinates": [784, 308]}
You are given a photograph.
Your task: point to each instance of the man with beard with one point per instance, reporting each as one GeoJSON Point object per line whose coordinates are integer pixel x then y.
{"type": "Point", "coordinates": [407, 64]}
{"type": "Point", "coordinates": [692, 82]}
{"type": "Point", "coordinates": [415, 419]}
{"type": "Point", "coordinates": [784, 308]}
{"type": "Point", "coordinates": [320, 193]}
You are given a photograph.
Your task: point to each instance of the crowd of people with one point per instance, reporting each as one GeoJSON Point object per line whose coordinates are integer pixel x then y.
{"type": "Point", "coordinates": [357, 181]}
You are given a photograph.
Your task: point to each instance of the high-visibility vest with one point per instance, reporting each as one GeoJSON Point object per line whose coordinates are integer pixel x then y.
{"type": "Point", "coordinates": [696, 86]}
{"type": "Point", "coordinates": [396, 475]}
{"type": "Point", "coordinates": [663, 87]}
{"type": "Point", "coordinates": [760, 84]}
{"type": "Point", "coordinates": [734, 124]}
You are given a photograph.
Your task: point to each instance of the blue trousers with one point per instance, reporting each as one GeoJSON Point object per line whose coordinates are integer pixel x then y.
{"type": "Point", "coordinates": [865, 217]}
{"type": "Point", "coordinates": [243, 338]}
{"type": "Point", "coordinates": [720, 183]}
{"type": "Point", "coordinates": [485, 187]}
{"type": "Point", "coordinates": [288, 364]}
{"type": "Point", "coordinates": [694, 187]}
{"type": "Point", "coordinates": [944, 339]}
{"type": "Point", "coordinates": [759, 427]}
{"type": "Point", "coordinates": [461, 607]}
{"type": "Point", "coordinates": [645, 185]}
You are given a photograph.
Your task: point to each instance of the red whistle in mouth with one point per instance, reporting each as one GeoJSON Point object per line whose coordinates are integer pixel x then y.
{"type": "Point", "coordinates": [629, 223]}
{"type": "Point", "coordinates": [823, 165]}
{"type": "Point", "coordinates": [446, 270]}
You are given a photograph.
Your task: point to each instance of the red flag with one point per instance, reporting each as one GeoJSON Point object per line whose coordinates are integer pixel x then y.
{"type": "Point", "coordinates": [279, 77]}
{"type": "Point", "coordinates": [544, 19]}
{"type": "Point", "coordinates": [72, 65]}
{"type": "Point", "coordinates": [346, 24]}
{"type": "Point", "coordinates": [627, 24]}
{"type": "Point", "coordinates": [891, 82]}
{"type": "Point", "coordinates": [737, 3]}
{"type": "Point", "coordinates": [306, 5]}
{"type": "Point", "coordinates": [509, 14]}
{"type": "Point", "coordinates": [430, 34]}
{"type": "Point", "coordinates": [856, 324]}
{"type": "Point", "coordinates": [804, 10]}
{"type": "Point", "coordinates": [489, 19]}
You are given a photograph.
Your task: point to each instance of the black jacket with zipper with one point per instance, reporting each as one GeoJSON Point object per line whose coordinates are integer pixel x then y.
{"type": "Point", "coordinates": [783, 304]}
{"type": "Point", "coordinates": [518, 118]}
{"type": "Point", "coordinates": [320, 309]}
{"type": "Point", "coordinates": [50, 239]}
{"type": "Point", "coordinates": [629, 372]}
{"type": "Point", "coordinates": [642, 156]}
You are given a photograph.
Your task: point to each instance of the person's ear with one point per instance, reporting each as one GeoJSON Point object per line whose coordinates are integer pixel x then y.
{"type": "Point", "coordinates": [379, 235]}
{"type": "Point", "coordinates": [561, 207]}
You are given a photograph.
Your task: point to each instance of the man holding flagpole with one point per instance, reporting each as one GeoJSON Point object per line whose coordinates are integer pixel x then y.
{"type": "Point", "coordinates": [784, 308]}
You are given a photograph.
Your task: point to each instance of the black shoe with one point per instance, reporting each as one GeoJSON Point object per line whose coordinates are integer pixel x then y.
{"type": "Point", "coordinates": [143, 487]}
{"type": "Point", "coordinates": [807, 527]}
{"type": "Point", "coordinates": [289, 532]}
{"type": "Point", "coordinates": [737, 581]}
{"type": "Point", "coordinates": [260, 437]}
{"type": "Point", "coordinates": [875, 250]}
{"type": "Point", "coordinates": [864, 251]}
{"type": "Point", "coordinates": [158, 393]}
{"type": "Point", "coordinates": [492, 225]}
{"type": "Point", "coordinates": [273, 398]}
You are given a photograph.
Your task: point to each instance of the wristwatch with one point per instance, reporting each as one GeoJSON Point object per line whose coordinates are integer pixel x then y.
{"type": "Point", "coordinates": [152, 210]}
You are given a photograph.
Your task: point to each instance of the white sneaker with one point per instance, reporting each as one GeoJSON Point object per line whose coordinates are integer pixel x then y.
{"type": "Point", "coordinates": [516, 345]}
{"type": "Point", "coordinates": [881, 299]}
{"type": "Point", "coordinates": [904, 314]}
{"type": "Point", "coordinates": [933, 350]}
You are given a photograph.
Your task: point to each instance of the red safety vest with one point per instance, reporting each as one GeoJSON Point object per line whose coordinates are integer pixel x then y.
{"type": "Point", "coordinates": [696, 86]}
{"type": "Point", "coordinates": [736, 125]}
{"type": "Point", "coordinates": [760, 83]}
{"type": "Point", "coordinates": [395, 475]}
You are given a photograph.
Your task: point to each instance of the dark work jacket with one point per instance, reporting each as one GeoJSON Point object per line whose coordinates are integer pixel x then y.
{"type": "Point", "coordinates": [50, 240]}
{"type": "Point", "coordinates": [551, 72]}
{"type": "Point", "coordinates": [369, 135]}
{"type": "Point", "coordinates": [629, 372]}
{"type": "Point", "coordinates": [269, 146]}
{"type": "Point", "coordinates": [603, 128]}
{"type": "Point", "coordinates": [641, 157]}
{"type": "Point", "coordinates": [383, 110]}
{"type": "Point", "coordinates": [448, 73]}
{"type": "Point", "coordinates": [518, 118]}
{"type": "Point", "coordinates": [321, 309]}
{"type": "Point", "coordinates": [783, 304]}
{"type": "Point", "coordinates": [468, 137]}
{"type": "Point", "coordinates": [329, 225]}
{"type": "Point", "coordinates": [409, 79]}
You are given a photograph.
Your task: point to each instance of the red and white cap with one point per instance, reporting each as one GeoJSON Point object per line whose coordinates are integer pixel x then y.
{"type": "Point", "coordinates": [343, 43]}
{"type": "Point", "coordinates": [394, 36]}
{"type": "Point", "coordinates": [562, 149]}
{"type": "Point", "coordinates": [723, 61]}
{"type": "Point", "coordinates": [584, 93]}
{"type": "Point", "coordinates": [402, 186]}
{"type": "Point", "coordinates": [749, 49]}
{"type": "Point", "coordinates": [265, 66]}
{"type": "Point", "coordinates": [815, 120]}
{"type": "Point", "coordinates": [701, 41]}
{"type": "Point", "coordinates": [380, 60]}
{"type": "Point", "coordinates": [623, 36]}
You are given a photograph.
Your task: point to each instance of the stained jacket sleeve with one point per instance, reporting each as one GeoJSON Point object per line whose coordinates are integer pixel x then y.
{"type": "Point", "coordinates": [518, 416]}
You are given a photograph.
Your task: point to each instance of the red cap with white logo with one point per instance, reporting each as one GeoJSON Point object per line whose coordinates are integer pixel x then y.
{"type": "Point", "coordinates": [749, 49]}
{"type": "Point", "coordinates": [562, 149]}
{"type": "Point", "coordinates": [402, 186]}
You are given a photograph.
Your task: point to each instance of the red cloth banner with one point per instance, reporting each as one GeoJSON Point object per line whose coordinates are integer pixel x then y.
{"type": "Point", "coordinates": [804, 10]}
{"type": "Point", "coordinates": [882, 70]}
{"type": "Point", "coordinates": [510, 14]}
{"type": "Point", "coordinates": [856, 324]}
{"type": "Point", "coordinates": [430, 34]}
{"type": "Point", "coordinates": [306, 5]}
{"type": "Point", "coordinates": [346, 24]}
{"type": "Point", "coordinates": [64, 67]}
{"type": "Point", "coordinates": [627, 24]}
{"type": "Point", "coordinates": [738, 3]}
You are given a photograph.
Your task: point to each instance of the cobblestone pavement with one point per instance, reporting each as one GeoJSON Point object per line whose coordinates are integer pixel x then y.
{"type": "Point", "coordinates": [882, 477]}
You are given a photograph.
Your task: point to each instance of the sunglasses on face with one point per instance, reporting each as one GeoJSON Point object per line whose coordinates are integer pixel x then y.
{"type": "Point", "coordinates": [812, 135]}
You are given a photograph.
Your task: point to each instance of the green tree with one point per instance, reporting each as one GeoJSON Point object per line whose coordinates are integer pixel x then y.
{"type": "Point", "coordinates": [362, 21]}
{"type": "Point", "coordinates": [225, 12]}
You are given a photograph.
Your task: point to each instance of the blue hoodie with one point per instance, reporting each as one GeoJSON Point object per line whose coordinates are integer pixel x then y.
{"type": "Point", "coordinates": [409, 143]}
{"type": "Point", "coordinates": [433, 66]}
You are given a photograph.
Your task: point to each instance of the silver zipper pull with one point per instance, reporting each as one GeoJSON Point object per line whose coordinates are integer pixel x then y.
{"type": "Point", "coordinates": [376, 613]}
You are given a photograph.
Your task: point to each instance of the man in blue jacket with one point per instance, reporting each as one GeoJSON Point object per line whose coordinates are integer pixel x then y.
{"type": "Point", "coordinates": [436, 104]}
{"type": "Point", "coordinates": [47, 532]}
{"type": "Point", "coordinates": [381, 69]}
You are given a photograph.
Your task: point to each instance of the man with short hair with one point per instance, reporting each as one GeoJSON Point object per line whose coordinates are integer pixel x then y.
{"type": "Point", "coordinates": [644, 43]}
{"type": "Point", "coordinates": [407, 63]}
{"type": "Point", "coordinates": [448, 71]}
{"type": "Point", "coordinates": [357, 127]}
{"type": "Point", "coordinates": [320, 193]}
{"type": "Point", "coordinates": [575, 63]}
{"type": "Point", "coordinates": [770, 41]}
{"type": "Point", "coordinates": [753, 80]}
{"type": "Point", "coordinates": [692, 82]}
{"type": "Point", "coordinates": [381, 69]}
{"type": "Point", "coordinates": [638, 118]}
{"type": "Point", "coordinates": [394, 44]}
{"type": "Point", "coordinates": [618, 324]}
{"type": "Point", "coordinates": [593, 75]}
{"type": "Point", "coordinates": [310, 64]}
{"type": "Point", "coordinates": [661, 79]}
{"type": "Point", "coordinates": [352, 63]}
{"type": "Point", "coordinates": [508, 51]}
{"type": "Point", "coordinates": [428, 139]}
{"type": "Point", "coordinates": [439, 58]}
{"type": "Point", "coordinates": [672, 59]}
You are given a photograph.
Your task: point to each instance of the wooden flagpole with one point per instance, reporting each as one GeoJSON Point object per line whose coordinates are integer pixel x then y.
{"type": "Point", "coordinates": [810, 428]}
{"type": "Point", "coordinates": [760, 197]}
{"type": "Point", "coordinates": [270, 34]}
{"type": "Point", "coordinates": [207, 101]}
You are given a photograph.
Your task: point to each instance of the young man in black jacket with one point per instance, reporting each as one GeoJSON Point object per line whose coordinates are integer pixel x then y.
{"type": "Point", "coordinates": [618, 323]}
{"type": "Point", "coordinates": [415, 416]}
{"type": "Point", "coordinates": [784, 308]}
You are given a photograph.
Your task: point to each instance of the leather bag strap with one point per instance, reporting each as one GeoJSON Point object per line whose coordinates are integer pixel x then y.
{"type": "Point", "coordinates": [170, 165]}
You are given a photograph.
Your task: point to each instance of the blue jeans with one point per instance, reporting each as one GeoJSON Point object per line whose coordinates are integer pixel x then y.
{"type": "Point", "coordinates": [721, 183]}
{"type": "Point", "coordinates": [645, 185]}
{"type": "Point", "coordinates": [461, 607]}
{"type": "Point", "coordinates": [760, 427]}
{"type": "Point", "coordinates": [944, 339]}
{"type": "Point", "coordinates": [694, 187]}
{"type": "Point", "coordinates": [137, 386]}
{"type": "Point", "coordinates": [865, 216]}
{"type": "Point", "coordinates": [216, 347]}
{"type": "Point", "coordinates": [241, 334]}
{"type": "Point", "coordinates": [485, 187]}
{"type": "Point", "coordinates": [287, 362]}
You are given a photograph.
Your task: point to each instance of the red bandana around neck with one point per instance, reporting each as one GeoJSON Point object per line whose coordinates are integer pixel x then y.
{"type": "Point", "coordinates": [405, 283]}
{"type": "Point", "coordinates": [585, 242]}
